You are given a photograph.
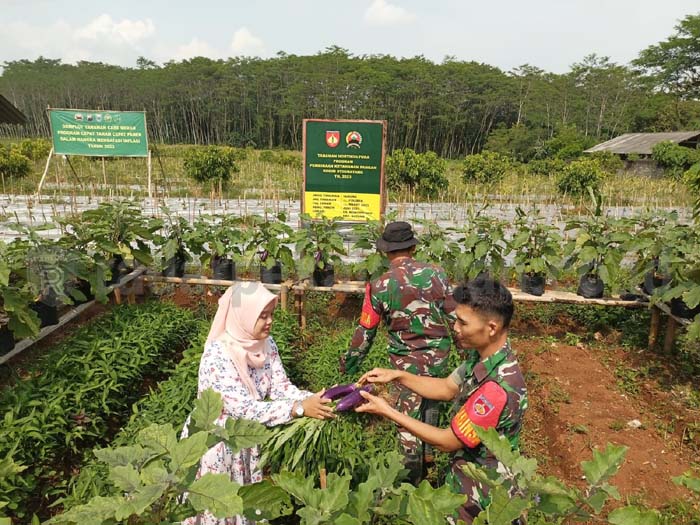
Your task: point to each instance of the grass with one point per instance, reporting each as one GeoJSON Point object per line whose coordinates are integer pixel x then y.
{"type": "Point", "coordinates": [279, 176]}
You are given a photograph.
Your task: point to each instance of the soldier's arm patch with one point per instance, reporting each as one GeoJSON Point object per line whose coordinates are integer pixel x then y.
{"type": "Point", "coordinates": [369, 318]}
{"type": "Point", "coordinates": [483, 408]}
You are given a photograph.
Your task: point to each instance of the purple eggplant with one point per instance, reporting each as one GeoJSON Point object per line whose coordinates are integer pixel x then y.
{"type": "Point", "coordinates": [353, 399]}
{"type": "Point", "coordinates": [339, 391]}
{"type": "Point", "coordinates": [263, 255]}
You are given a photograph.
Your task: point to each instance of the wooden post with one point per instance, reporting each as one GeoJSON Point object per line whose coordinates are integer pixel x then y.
{"type": "Point", "coordinates": [150, 188]}
{"type": "Point", "coordinates": [654, 326]}
{"type": "Point", "coordinates": [46, 170]}
{"type": "Point", "coordinates": [117, 295]}
{"type": "Point", "coordinates": [104, 173]}
{"type": "Point", "coordinates": [302, 314]}
{"type": "Point", "coordinates": [670, 334]}
{"type": "Point", "coordinates": [323, 482]}
{"type": "Point", "coordinates": [284, 293]}
{"type": "Point", "coordinates": [297, 305]}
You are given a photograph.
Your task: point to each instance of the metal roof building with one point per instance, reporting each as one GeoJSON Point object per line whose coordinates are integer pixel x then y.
{"type": "Point", "coordinates": [642, 143]}
{"type": "Point", "coordinates": [9, 114]}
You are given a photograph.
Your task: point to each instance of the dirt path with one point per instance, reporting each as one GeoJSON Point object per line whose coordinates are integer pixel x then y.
{"type": "Point", "coordinates": [576, 405]}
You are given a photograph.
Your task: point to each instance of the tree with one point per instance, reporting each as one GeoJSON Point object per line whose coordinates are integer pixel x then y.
{"type": "Point", "coordinates": [674, 64]}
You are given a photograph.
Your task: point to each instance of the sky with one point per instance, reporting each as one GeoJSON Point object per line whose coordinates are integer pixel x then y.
{"type": "Point", "coordinates": [549, 34]}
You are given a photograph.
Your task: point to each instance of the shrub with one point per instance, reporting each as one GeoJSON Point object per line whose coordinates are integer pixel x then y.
{"type": "Point", "coordinates": [282, 158]}
{"type": "Point", "coordinates": [211, 163]}
{"type": "Point", "coordinates": [674, 159]}
{"type": "Point", "coordinates": [35, 149]}
{"type": "Point", "coordinates": [14, 164]}
{"type": "Point", "coordinates": [423, 173]}
{"type": "Point", "coordinates": [580, 175]}
{"type": "Point", "coordinates": [609, 162]}
{"type": "Point", "coordinates": [487, 167]}
{"type": "Point", "coordinates": [567, 144]}
{"type": "Point", "coordinates": [519, 142]}
{"type": "Point", "coordinates": [547, 167]}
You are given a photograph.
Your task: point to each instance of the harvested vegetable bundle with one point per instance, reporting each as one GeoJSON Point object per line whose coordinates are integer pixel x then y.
{"type": "Point", "coordinates": [344, 445]}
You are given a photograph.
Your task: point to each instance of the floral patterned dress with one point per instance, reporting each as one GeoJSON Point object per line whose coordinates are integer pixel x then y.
{"type": "Point", "coordinates": [217, 371]}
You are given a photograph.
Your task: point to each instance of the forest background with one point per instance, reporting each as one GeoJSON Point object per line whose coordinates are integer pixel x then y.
{"type": "Point", "coordinates": [453, 108]}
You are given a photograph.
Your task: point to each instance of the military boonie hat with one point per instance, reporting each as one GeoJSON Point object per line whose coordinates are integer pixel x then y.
{"type": "Point", "coordinates": [396, 236]}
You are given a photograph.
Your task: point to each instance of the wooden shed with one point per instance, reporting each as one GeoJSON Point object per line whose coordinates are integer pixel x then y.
{"type": "Point", "coordinates": [9, 114]}
{"type": "Point", "coordinates": [635, 149]}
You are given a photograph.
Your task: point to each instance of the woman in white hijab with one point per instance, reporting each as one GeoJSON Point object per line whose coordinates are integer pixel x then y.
{"type": "Point", "coordinates": [241, 362]}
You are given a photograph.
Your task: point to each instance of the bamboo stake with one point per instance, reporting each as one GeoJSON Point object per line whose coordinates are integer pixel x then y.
{"type": "Point", "coordinates": [654, 327]}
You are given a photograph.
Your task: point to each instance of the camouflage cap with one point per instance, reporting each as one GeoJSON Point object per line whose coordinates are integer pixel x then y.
{"type": "Point", "coordinates": [396, 236]}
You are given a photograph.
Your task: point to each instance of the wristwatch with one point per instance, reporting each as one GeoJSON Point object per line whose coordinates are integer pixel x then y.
{"type": "Point", "coordinates": [298, 409]}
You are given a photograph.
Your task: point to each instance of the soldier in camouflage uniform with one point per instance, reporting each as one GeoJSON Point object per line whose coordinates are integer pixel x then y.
{"type": "Point", "coordinates": [488, 389]}
{"type": "Point", "coordinates": [414, 301]}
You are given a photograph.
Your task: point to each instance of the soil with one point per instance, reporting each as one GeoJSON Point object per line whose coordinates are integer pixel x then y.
{"type": "Point", "coordinates": [577, 406]}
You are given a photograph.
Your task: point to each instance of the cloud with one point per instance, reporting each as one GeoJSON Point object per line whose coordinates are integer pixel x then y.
{"type": "Point", "coordinates": [195, 48]}
{"type": "Point", "coordinates": [246, 43]}
{"type": "Point", "coordinates": [126, 31]}
{"type": "Point", "coordinates": [383, 13]}
{"type": "Point", "coordinates": [101, 39]}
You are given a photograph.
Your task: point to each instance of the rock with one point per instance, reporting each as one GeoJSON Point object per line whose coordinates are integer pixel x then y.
{"type": "Point", "coordinates": [634, 423]}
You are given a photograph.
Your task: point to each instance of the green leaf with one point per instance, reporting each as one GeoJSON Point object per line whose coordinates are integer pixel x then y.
{"type": "Point", "coordinates": [346, 519]}
{"type": "Point", "coordinates": [597, 501]}
{"type": "Point", "coordinates": [692, 297]}
{"type": "Point", "coordinates": [207, 409]}
{"type": "Point", "coordinates": [264, 501]}
{"type": "Point", "coordinates": [188, 451]}
{"type": "Point", "coordinates": [503, 509]}
{"type": "Point", "coordinates": [137, 502]}
{"type": "Point", "coordinates": [298, 486]}
{"type": "Point", "coordinates": [122, 456]}
{"type": "Point", "coordinates": [689, 481]}
{"type": "Point", "coordinates": [604, 464]}
{"type": "Point", "coordinates": [632, 515]}
{"type": "Point", "coordinates": [335, 495]}
{"type": "Point", "coordinates": [217, 494]}
{"type": "Point", "coordinates": [125, 478]}
{"type": "Point", "coordinates": [244, 433]}
{"type": "Point", "coordinates": [422, 508]}
{"type": "Point", "coordinates": [97, 511]}
{"type": "Point", "coordinates": [161, 439]}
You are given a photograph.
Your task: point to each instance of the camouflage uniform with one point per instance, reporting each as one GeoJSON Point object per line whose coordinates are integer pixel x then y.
{"type": "Point", "coordinates": [414, 301]}
{"type": "Point", "coordinates": [501, 368]}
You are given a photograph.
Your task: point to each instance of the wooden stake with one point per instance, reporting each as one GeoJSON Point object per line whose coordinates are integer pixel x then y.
{"type": "Point", "coordinates": [323, 481]}
{"type": "Point", "coordinates": [670, 334]}
{"type": "Point", "coordinates": [284, 293]}
{"type": "Point", "coordinates": [654, 327]}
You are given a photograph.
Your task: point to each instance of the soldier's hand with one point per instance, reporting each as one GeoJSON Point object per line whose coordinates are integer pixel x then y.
{"type": "Point", "coordinates": [373, 405]}
{"type": "Point", "coordinates": [379, 375]}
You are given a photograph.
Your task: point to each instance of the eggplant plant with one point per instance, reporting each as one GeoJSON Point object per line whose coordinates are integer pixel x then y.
{"type": "Point", "coordinates": [318, 245]}
{"type": "Point", "coordinates": [219, 240]}
{"type": "Point", "coordinates": [481, 247]}
{"type": "Point", "coordinates": [537, 250]}
{"type": "Point", "coordinates": [596, 249]}
{"type": "Point", "coordinates": [647, 240]}
{"type": "Point", "coordinates": [268, 239]}
{"type": "Point", "coordinates": [172, 242]}
{"type": "Point", "coordinates": [681, 259]}
{"type": "Point", "coordinates": [367, 234]}
{"type": "Point", "coordinates": [435, 245]}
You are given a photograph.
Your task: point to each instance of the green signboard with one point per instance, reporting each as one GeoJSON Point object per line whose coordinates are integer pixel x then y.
{"type": "Point", "coordinates": [99, 133]}
{"type": "Point", "coordinates": [344, 169]}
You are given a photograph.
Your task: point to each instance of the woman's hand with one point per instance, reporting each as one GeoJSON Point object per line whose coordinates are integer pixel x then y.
{"type": "Point", "coordinates": [379, 375]}
{"type": "Point", "coordinates": [374, 405]}
{"type": "Point", "coordinates": [317, 407]}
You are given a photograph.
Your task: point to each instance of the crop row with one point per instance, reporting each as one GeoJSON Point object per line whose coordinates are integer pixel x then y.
{"type": "Point", "coordinates": [80, 393]}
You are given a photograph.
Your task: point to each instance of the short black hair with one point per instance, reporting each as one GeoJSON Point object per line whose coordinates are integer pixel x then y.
{"type": "Point", "coordinates": [488, 296]}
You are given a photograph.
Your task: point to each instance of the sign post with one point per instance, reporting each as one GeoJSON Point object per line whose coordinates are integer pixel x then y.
{"type": "Point", "coordinates": [344, 169]}
{"type": "Point", "coordinates": [98, 133]}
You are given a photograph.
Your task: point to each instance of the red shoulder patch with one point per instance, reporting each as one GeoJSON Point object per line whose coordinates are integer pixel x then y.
{"type": "Point", "coordinates": [483, 408]}
{"type": "Point", "coordinates": [369, 318]}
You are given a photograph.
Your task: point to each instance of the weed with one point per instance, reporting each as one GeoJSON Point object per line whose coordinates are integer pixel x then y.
{"type": "Point", "coordinates": [616, 426]}
{"type": "Point", "coordinates": [579, 429]}
{"type": "Point", "coordinates": [572, 339]}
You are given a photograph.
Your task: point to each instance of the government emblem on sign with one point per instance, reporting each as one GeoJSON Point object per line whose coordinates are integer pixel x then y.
{"type": "Point", "coordinates": [353, 139]}
{"type": "Point", "coordinates": [332, 138]}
